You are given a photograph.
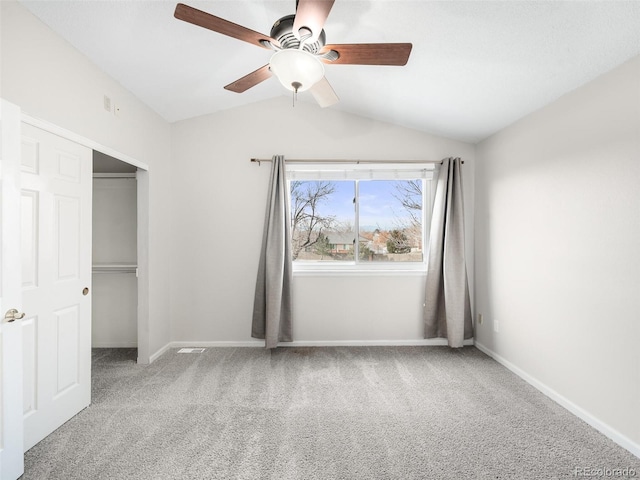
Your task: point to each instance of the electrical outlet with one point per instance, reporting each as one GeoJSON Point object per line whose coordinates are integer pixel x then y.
{"type": "Point", "coordinates": [480, 319]}
{"type": "Point", "coordinates": [496, 326]}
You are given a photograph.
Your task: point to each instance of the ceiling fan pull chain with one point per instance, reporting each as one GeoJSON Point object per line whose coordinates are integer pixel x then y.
{"type": "Point", "coordinates": [296, 86]}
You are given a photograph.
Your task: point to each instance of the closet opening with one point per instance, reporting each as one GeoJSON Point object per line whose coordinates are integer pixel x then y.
{"type": "Point", "coordinates": [115, 262]}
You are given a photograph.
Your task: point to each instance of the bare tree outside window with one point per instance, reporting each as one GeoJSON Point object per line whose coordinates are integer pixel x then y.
{"type": "Point", "coordinates": [308, 224]}
{"type": "Point", "coordinates": [390, 220]}
{"type": "Point", "coordinates": [361, 221]}
{"type": "Point", "coordinates": [398, 242]}
{"type": "Point", "coordinates": [409, 194]}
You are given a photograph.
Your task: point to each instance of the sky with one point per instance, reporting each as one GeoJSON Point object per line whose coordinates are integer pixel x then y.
{"type": "Point", "coordinates": [378, 206]}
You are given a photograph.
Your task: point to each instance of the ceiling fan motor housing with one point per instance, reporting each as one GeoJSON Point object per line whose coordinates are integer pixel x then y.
{"type": "Point", "coordinates": [282, 31]}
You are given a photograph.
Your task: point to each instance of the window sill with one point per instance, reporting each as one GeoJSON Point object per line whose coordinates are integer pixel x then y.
{"type": "Point", "coordinates": [359, 271]}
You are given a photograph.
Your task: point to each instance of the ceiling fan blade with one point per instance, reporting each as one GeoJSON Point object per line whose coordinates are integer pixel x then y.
{"type": "Point", "coordinates": [203, 19]}
{"type": "Point", "coordinates": [369, 53]}
{"type": "Point", "coordinates": [324, 93]}
{"type": "Point", "coordinates": [250, 80]}
{"type": "Point", "coordinates": [311, 14]}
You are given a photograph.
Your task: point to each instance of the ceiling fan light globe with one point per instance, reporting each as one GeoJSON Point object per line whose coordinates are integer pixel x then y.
{"type": "Point", "coordinates": [297, 67]}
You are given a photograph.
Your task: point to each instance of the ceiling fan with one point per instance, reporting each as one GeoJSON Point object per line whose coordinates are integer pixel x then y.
{"type": "Point", "coordinates": [300, 47]}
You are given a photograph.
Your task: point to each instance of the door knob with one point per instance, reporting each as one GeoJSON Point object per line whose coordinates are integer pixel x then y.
{"type": "Point", "coordinates": [12, 315]}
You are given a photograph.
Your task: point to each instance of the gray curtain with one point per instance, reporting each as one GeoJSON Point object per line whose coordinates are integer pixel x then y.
{"type": "Point", "coordinates": [272, 302]}
{"type": "Point", "coordinates": [447, 311]}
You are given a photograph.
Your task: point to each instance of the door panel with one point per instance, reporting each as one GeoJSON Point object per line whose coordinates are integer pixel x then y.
{"type": "Point", "coordinates": [11, 424]}
{"type": "Point", "coordinates": [29, 157]}
{"type": "Point", "coordinates": [29, 355]}
{"type": "Point", "coordinates": [56, 239]}
{"type": "Point", "coordinates": [29, 238]}
{"type": "Point", "coordinates": [67, 232]}
{"type": "Point", "coordinates": [68, 345]}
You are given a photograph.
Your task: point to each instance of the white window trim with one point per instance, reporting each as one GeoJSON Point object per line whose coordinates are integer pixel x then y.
{"type": "Point", "coordinates": [399, 171]}
{"type": "Point", "coordinates": [387, 269]}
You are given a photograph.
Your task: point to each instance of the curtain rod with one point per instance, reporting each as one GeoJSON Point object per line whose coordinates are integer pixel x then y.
{"type": "Point", "coordinates": [357, 162]}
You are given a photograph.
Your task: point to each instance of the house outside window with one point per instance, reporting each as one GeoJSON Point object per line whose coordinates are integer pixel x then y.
{"type": "Point", "coordinates": [360, 217]}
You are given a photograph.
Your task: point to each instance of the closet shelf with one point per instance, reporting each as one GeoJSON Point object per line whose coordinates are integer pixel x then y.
{"type": "Point", "coordinates": [115, 268]}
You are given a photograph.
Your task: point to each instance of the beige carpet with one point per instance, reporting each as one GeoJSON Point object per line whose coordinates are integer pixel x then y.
{"type": "Point", "coordinates": [319, 413]}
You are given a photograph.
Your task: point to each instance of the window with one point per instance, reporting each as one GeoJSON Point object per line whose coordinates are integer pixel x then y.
{"type": "Point", "coordinates": [355, 217]}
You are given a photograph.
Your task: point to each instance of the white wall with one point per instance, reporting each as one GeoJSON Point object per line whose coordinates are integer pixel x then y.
{"type": "Point", "coordinates": [52, 81]}
{"type": "Point", "coordinates": [114, 322]}
{"type": "Point", "coordinates": [557, 258]}
{"type": "Point", "coordinates": [212, 288]}
{"type": "Point", "coordinates": [556, 220]}
{"type": "Point", "coordinates": [219, 212]}
{"type": "Point", "coordinates": [114, 303]}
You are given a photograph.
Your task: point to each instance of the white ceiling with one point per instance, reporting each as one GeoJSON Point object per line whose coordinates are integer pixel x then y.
{"type": "Point", "coordinates": [476, 66]}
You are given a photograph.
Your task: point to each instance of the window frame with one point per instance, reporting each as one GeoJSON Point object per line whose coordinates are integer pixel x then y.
{"type": "Point", "coordinates": [307, 171]}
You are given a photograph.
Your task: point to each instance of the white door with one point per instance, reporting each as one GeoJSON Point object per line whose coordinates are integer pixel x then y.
{"type": "Point", "coordinates": [56, 278]}
{"type": "Point", "coordinates": [11, 424]}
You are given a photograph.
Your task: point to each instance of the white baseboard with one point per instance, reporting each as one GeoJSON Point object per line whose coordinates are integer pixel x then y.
{"type": "Point", "coordinates": [435, 342]}
{"type": "Point", "coordinates": [318, 343]}
{"type": "Point", "coordinates": [159, 352]}
{"type": "Point", "coordinates": [432, 342]}
{"type": "Point", "coordinates": [578, 411]}
{"type": "Point", "coordinates": [212, 344]}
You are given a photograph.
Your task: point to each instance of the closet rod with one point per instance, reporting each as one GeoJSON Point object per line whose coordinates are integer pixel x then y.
{"type": "Point", "coordinates": [124, 270]}
{"type": "Point", "coordinates": [356, 162]}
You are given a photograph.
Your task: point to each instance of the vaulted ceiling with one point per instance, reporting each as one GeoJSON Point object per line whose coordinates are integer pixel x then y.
{"type": "Point", "coordinates": [475, 67]}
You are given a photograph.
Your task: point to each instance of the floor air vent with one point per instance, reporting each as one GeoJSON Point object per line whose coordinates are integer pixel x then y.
{"type": "Point", "coordinates": [191, 350]}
